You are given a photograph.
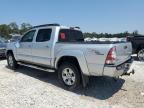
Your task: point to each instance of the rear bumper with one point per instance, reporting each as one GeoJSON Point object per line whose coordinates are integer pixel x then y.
{"type": "Point", "coordinates": [119, 70]}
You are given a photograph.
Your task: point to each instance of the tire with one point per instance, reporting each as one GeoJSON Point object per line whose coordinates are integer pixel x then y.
{"type": "Point", "coordinates": [140, 55]}
{"type": "Point", "coordinates": [69, 76]}
{"type": "Point", "coordinates": [12, 63]}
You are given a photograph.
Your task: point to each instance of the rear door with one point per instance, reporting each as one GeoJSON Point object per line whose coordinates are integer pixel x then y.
{"type": "Point", "coordinates": [41, 48]}
{"type": "Point", "coordinates": [24, 52]}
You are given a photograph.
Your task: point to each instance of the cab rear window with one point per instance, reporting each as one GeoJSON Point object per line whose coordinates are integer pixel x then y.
{"type": "Point", "coordinates": [68, 35]}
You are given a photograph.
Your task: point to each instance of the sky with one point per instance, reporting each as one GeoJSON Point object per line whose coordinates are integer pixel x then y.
{"type": "Point", "coordinates": [111, 16]}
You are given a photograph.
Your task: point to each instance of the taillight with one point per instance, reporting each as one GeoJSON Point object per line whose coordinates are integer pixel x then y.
{"type": "Point", "coordinates": [111, 57]}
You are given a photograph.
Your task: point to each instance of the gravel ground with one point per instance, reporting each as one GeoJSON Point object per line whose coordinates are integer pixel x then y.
{"type": "Point", "coordinates": [30, 88]}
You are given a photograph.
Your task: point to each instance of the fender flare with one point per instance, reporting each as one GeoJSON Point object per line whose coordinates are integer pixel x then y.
{"type": "Point", "coordinates": [78, 55]}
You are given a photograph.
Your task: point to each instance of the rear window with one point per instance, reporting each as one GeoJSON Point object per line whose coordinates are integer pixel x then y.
{"type": "Point", "coordinates": [68, 35]}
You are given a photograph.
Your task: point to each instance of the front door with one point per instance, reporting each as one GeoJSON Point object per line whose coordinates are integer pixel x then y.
{"type": "Point", "coordinates": [24, 52]}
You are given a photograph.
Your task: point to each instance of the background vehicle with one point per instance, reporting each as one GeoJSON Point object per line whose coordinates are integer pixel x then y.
{"type": "Point", "coordinates": [15, 39]}
{"type": "Point", "coordinates": [2, 47]}
{"type": "Point", "coordinates": [137, 45]}
{"type": "Point", "coordinates": [56, 48]}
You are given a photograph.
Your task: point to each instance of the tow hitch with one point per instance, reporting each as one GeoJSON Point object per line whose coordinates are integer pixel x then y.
{"type": "Point", "coordinates": [127, 68]}
{"type": "Point", "coordinates": [129, 73]}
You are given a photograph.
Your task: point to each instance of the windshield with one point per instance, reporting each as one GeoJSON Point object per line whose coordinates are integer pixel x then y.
{"type": "Point", "coordinates": [68, 35]}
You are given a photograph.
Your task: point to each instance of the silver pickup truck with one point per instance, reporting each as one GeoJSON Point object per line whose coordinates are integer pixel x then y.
{"type": "Point", "coordinates": [61, 49]}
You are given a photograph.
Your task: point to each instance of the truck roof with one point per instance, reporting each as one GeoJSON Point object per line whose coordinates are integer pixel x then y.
{"type": "Point", "coordinates": [45, 25]}
{"type": "Point", "coordinates": [56, 25]}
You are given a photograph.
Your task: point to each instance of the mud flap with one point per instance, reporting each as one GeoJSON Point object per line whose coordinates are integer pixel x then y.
{"type": "Point", "coordinates": [85, 80]}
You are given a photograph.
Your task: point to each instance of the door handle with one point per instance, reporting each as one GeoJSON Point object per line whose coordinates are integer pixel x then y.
{"type": "Point", "coordinates": [47, 46]}
{"type": "Point", "coordinates": [29, 46]}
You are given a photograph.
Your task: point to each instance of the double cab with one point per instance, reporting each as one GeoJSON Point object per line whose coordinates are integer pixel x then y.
{"type": "Point", "coordinates": [61, 49]}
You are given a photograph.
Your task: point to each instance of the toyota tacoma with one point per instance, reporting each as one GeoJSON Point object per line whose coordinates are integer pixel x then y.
{"type": "Point", "coordinates": [61, 49]}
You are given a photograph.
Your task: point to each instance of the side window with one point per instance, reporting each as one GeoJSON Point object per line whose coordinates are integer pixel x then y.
{"type": "Point", "coordinates": [28, 37]}
{"type": "Point", "coordinates": [43, 35]}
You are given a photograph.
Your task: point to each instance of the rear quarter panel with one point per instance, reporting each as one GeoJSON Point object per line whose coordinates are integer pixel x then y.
{"type": "Point", "coordinates": [91, 57]}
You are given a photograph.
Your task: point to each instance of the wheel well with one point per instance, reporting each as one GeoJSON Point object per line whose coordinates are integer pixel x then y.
{"type": "Point", "coordinates": [9, 51]}
{"type": "Point", "coordinates": [70, 59]}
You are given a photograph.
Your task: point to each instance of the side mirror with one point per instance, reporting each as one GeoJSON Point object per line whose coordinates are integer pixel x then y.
{"type": "Point", "coordinates": [17, 44]}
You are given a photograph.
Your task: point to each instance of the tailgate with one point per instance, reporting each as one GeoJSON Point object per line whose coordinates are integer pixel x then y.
{"type": "Point", "coordinates": [124, 51]}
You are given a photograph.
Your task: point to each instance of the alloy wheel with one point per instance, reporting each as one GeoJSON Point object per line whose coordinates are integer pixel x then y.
{"type": "Point", "coordinates": [68, 76]}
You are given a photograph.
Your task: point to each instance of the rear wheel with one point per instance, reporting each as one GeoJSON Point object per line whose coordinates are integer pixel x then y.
{"type": "Point", "coordinates": [69, 76]}
{"type": "Point", "coordinates": [12, 63]}
{"type": "Point", "coordinates": [141, 55]}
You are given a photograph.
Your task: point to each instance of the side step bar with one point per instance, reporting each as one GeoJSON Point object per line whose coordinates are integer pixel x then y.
{"type": "Point", "coordinates": [37, 67]}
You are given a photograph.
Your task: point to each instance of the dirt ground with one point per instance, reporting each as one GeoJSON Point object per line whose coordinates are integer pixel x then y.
{"type": "Point", "coordinates": [30, 88]}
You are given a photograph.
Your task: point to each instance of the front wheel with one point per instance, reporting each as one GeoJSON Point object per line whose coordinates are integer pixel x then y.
{"type": "Point", "coordinates": [11, 61]}
{"type": "Point", "coordinates": [141, 55]}
{"type": "Point", "coordinates": [69, 76]}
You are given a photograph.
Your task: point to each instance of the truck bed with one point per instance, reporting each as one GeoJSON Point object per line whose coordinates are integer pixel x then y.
{"type": "Point", "coordinates": [124, 49]}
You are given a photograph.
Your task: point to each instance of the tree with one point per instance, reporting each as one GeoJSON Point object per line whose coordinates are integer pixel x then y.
{"type": "Point", "coordinates": [4, 31]}
{"type": "Point", "coordinates": [25, 27]}
{"type": "Point", "coordinates": [14, 27]}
